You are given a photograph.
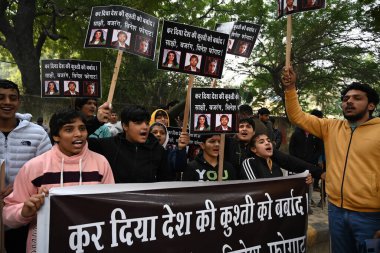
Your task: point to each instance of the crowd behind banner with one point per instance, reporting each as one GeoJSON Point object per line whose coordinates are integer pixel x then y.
{"type": "Point", "coordinates": [82, 150]}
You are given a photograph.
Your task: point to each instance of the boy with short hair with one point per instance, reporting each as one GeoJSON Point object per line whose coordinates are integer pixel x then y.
{"type": "Point", "coordinates": [135, 155]}
{"type": "Point", "coordinates": [68, 163]}
{"type": "Point", "coordinates": [205, 165]}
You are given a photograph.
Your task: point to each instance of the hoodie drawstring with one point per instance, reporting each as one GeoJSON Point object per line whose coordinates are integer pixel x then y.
{"type": "Point", "coordinates": [80, 172]}
{"type": "Point", "coordinates": [61, 179]}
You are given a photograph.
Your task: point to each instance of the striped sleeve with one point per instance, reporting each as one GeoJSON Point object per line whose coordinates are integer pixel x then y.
{"type": "Point", "coordinates": [247, 170]}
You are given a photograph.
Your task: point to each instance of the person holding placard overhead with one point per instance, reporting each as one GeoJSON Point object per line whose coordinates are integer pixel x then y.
{"type": "Point", "coordinates": [352, 154]}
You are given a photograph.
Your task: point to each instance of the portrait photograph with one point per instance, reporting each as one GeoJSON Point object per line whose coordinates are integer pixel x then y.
{"type": "Point", "coordinates": [71, 88]}
{"type": "Point", "coordinates": [243, 48]}
{"type": "Point", "coordinates": [143, 45]}
{"type": "Point", "coordinates": [98, 37]}
{"type": "Point", "coordinates": [121, 39]}
{"type": "Point", "coordinates": [212, 66]}
{"type": "Point", "coordinates": [193, 62]}
{"type": "Point", "coordinates": [171, 58]}
{"type": "Point", "coordinates": [202, 122]}
{"type": "Point", "coordinates": [52, 88]}
{"type": "Point", "coordinates": [223, 122]}
{"type": "Point", "coordinates": [90, 89]}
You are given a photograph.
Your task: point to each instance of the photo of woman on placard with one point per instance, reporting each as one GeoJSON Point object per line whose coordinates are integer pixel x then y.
{"type": "Point", "coordinates": [51, 88]}
{"type": "Point", "coordinates": [171, 59]}
{"type": "Point", "coordinates": [202, 123]}
{"type": "Point", "coordinates": [98, 37]}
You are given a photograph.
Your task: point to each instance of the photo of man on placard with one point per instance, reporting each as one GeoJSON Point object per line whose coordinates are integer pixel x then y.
{"type": "Point", "coordinates": [224, 122]}
{"type": "Point", "coordinates": [143, 45]}
{"type": "Point", "coordinates": [71, 88]}
{"type": "Point", "coordinates": [212, 66]}
{"type": "Point", "coordinates": [121, 39]}
{"type": "Point", "coordinates": [243, 48]}
{"type": "Point", "coordinates": [310, 3]}
{"type": "Point", "coordinates": [290, 6]}
{"type": "Point", "coordinates": [193, 62]}
{"type": "Point", "coordinates": [90, 89]}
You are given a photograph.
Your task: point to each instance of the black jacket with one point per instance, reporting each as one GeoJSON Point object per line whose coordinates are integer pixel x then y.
{"type": "Point", "coordinates": [131, 162]}
{"type": "Point", "coordinates": [256, 167]}
{"type": "Point", "coordinates": [200, 170]}
{"type": "Point", "coordinates": [235, 152]}
{"type": "Point", "coordinates": [307, 148]}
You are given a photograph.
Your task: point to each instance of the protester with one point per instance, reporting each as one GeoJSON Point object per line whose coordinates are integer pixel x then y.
{"type": "Point", "coordinates": [40, 122]}
{"type": "Point", "coordinates": [245, 111]}
{"type": "Point", "coordinates": [236, 147]}
{"type": "Point", "coordinates": [353, 169]}
{"type": "Point", "coordinates": [24, 140]}
{"type": "Point", "coordinates": [114, 126]}
{"type": "Point", "coordinates": [88, 107]}
{"type": "Point", "coordinates": [205, 165]}
{"type": "Point", "coordinates": [277, 135]}
{"type": "Point", "coordinates": [68, 163]}
{"type": "Point", "coordinates": [263, 114]}
{"type": "Point", "coordinates": [261, 165]}
{"type": "Point", "coordinates": [176, 156]}
{"type": "Point", "coordinates": [161, 116]}
{"type": "Point", "coordinates": [135, 155]}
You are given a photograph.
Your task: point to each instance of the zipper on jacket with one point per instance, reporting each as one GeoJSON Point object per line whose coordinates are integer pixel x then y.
{"type": "Point", "coordinates": [344, 170]}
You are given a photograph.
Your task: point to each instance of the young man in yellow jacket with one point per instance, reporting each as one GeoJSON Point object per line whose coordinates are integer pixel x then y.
{"type": "Point", "coordinates": [352, 149]}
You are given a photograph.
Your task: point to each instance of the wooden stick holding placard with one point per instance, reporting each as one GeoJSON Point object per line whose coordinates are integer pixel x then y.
{"type": "Point", "coordinates": [221, 146]}
{"type": "Point", "coordinates": [288, 41]}
{"type": "Point", "coordinates": [114, 76]}
{"type": "Point", "coordinates": [2, 187]}
{"type": "Point", "coordinates": [187, 105]}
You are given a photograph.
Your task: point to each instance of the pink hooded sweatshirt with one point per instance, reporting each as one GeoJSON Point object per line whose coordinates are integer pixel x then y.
{"type": "Point", "coordinates": [52, 169]}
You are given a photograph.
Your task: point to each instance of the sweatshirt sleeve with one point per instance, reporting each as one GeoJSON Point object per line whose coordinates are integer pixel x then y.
{"type": "Point", "coordinates": [294, 164]}
{"type": "Point", "coordinates": [305, 121]}
{"type": "Point", "coordinates": [22, 190]}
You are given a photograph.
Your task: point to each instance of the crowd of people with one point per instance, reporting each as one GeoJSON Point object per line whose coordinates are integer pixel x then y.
{"type": "Point", "coordinates": [88, 145]}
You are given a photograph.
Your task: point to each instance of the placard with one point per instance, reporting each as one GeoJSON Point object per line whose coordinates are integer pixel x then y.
{"type": "Point", "coordinates": [243, 36]}
{"type": "Point", "coordinates": [214, 110]}
{"type": "Point", "coordinates": [71, 78]}
{"type": "Point", "coordinates": [192, 50]}
{"type": "Point", "coordinates": [286, 7]}
{"type": "Point", "coordinates": [122, 28]}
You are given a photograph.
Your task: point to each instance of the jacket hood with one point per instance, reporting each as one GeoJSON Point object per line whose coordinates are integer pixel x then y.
{"type": "Point", "coordinates": [24, 116]}
{"type": "Point", "coordinates": [153, 116]}
{"type": "Point", "coordinates": [166, 130]}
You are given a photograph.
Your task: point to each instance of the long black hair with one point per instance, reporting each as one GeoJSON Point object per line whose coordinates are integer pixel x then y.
{"type": "Point", "coordinates": [206, 123]}
{"type": "Point", "coordinates": [167, 58]}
